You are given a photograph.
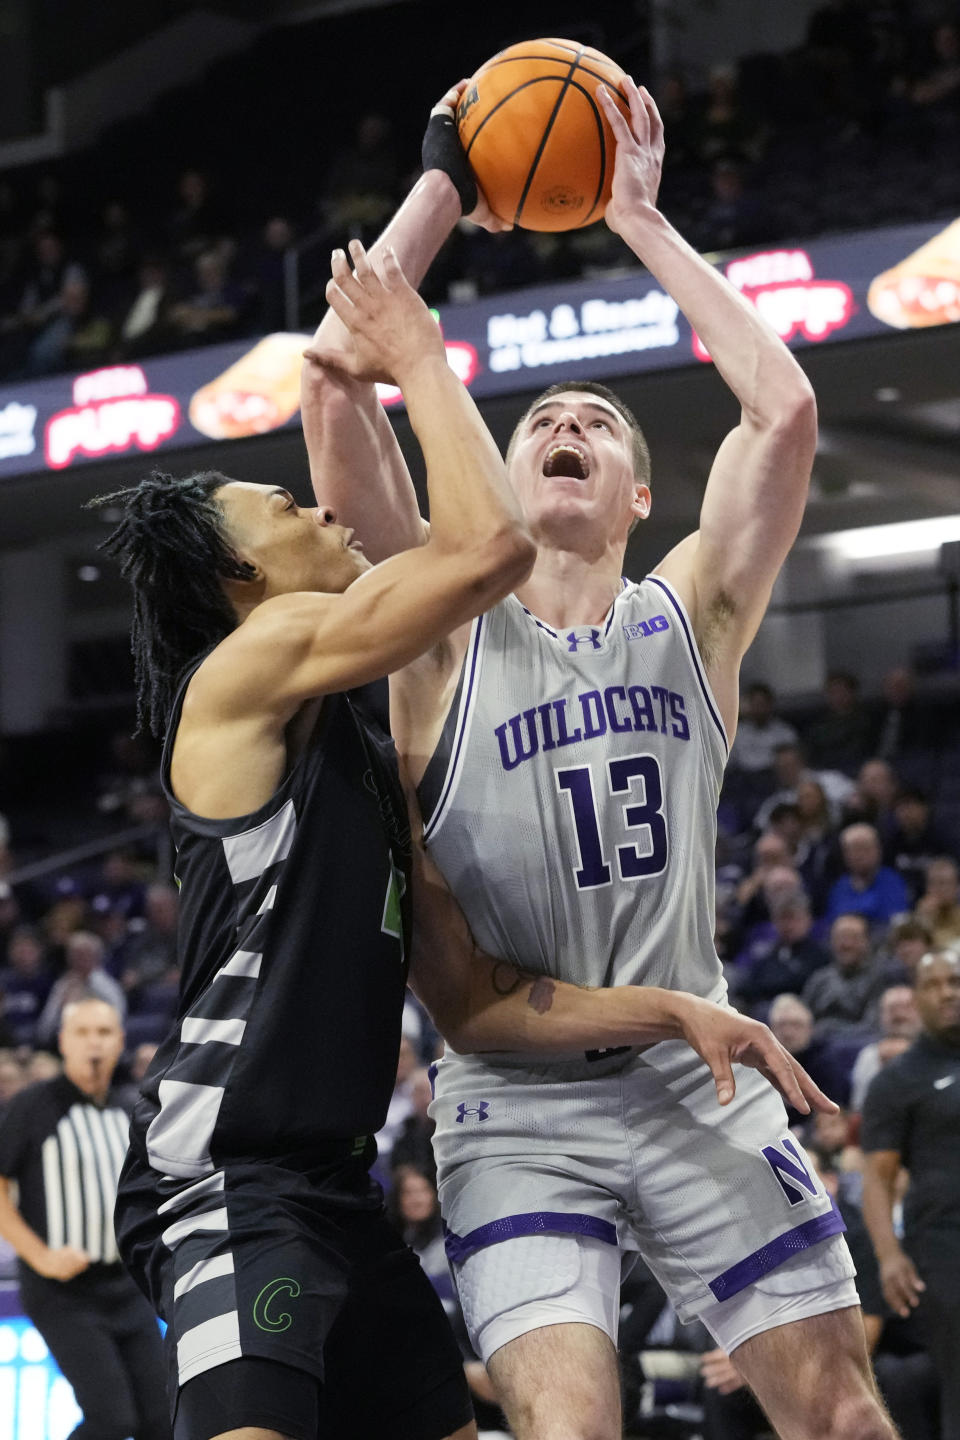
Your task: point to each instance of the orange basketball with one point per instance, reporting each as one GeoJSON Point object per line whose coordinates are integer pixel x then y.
{"type": "Point", "coordinates": [536, 137]}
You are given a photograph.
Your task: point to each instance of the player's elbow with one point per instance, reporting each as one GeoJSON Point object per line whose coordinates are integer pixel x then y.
{"type": "Point", "coordinates": [504, 560]}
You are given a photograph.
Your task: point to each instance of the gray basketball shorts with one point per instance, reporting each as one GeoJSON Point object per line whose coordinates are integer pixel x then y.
{"type": "Point", "coordinates": [635, 1152]}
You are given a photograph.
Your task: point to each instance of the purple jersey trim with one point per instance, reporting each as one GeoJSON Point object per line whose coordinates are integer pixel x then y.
{"type": "Point", "coordinates": [695, 656]}
{"type": "Point", "coordinates": [775, 1252]}
{"type": "Point", "coordinates": [430, 824]}
{"type": "Point", "coordinates": [537, 1222]}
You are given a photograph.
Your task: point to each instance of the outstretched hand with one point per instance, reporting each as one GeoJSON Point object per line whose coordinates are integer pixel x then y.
{"type": "Point", "coordinates": [390, 327]}
{"type": "Point", "coordinates": [640, 149]}
{"type": "Point", "coordinates": [723, 1038]}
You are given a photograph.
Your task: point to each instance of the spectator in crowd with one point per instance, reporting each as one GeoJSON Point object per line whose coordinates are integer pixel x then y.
{"type": "Point", "coordinates": [790, 769]}
{"type": "Point", "coordinates": [939, 905]}
{"type": "Point", "coordinates": [215, 308]}
{"type": "Point", "coordinates": [901, 723]}
{"type": "Point", "coordinates": [84, 976]}
{"type": "Point", "coordinates": [899, 1025]}
{"type": "Point", "coordinates": [413, 1144]}
{"type": "Point", "coordinates": [10, 912]}
{"type": "Point", "coordinates": [840, 739]}
{"type": "Point", "coordinates": [144, 325]}
{"type": "Point", "coordinates": [935, 93]}
{"type": "Point", "coordinates": [13, 1078]}
{"type": "Point", "coordinates": [792, 1023]}
{"type": "Point", "coordinates": [817, 849]}
{"type": "Point", "coordinates": [25, 983]}
{"type": "Point", "coordinates": [140, 1062]}
{"type": "Point", "coordinates": [874, 798]}
{"type": "Point", "coordinates": [915, 839]}
{"type": "Point", "coordinates": [907, 943]}
{"type": "Point", "coordinates": [769, 850]}
{"type": "Point", "coordinates": [41, 1065]}
{"type": "Point", "coordinates": [911, 1117]}
{"type": "Point", "coordinates": [120, 885]}
{"type": "Point", "coordinates": [268, 273]}
{"type": "Point", "coordinates": [150, 956]}
{"type": "Point", "coordinates": [62, 1141]}
{"type": "Point", "coordinates": [843, 994]}
{"type": "Point", "coordinates": [197, 223]}
{"type": "Point", "coordinates": [735, 213]}
{"type": "Point", "coordinates": [76, 335]}
{"type": "Point", "coordinates": [867, 886]}
{"type": "Point", "coordinates": [783, 962]}
{"type": "Point", "coordinates": [361, 186]}
{"type": "Point", "coordinates": [727, 130]}
{"type": "Point", "coordinates": [759, 730]}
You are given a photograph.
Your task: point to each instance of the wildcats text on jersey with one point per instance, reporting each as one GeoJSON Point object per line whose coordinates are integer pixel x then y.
{"type": "Point", "coordinates": [617, 708]}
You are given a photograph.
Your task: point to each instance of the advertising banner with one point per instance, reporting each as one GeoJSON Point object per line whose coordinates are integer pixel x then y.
{"type": "Point", "coordinates": [845, 287]}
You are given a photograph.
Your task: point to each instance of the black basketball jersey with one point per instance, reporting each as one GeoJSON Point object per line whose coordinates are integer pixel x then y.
{"type": "Point", "coordinates": [293, 945]}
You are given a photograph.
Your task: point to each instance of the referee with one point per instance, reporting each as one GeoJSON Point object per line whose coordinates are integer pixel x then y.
{"type": "Point", "coordinates": [911, 1117]}
{"type": "Point", "coordinates": [63, 1141]}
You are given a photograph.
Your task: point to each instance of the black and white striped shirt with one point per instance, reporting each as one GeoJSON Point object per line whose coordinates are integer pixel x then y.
{"type": "Point", "coordinates": [65, 1152]}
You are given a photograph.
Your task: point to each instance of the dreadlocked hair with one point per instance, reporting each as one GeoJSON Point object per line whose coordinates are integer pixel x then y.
{"type": "Point", "coordinates": [173, 548]}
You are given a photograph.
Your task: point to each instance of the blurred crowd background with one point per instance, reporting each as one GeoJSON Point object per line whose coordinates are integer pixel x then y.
{"type": "Point", "coordinates": [171, 230]}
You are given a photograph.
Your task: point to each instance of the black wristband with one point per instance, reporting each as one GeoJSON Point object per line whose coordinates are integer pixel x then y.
{"type": "Point", "coordinates": [442, 151]}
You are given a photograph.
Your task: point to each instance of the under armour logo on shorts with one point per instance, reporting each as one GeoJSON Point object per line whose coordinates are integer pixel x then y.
{"type": "Point", "coordinates": [481, 1110]}
{"type": "Point", "coordinates": [585, 637]}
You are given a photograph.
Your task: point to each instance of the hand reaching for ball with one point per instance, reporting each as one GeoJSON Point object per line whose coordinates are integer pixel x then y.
{"type": "Point", "coordinates": [391, 330]}
{"type": "Point", "coordinates": [640, 147]}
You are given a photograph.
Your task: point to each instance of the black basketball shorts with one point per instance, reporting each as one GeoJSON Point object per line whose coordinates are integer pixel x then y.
{"type": "Point", "coordinates": [291, 1262]}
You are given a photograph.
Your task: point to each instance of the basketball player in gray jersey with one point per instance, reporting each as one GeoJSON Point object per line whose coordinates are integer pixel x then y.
{"type": "Point", "coordinates": [567, 750]}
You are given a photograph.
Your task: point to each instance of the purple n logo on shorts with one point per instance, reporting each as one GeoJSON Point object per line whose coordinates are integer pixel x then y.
{"type": "Point", "coordinates": [792, 1174]}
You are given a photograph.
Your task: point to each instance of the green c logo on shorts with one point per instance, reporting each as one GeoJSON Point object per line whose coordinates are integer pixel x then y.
{"type": "Point", "coordinates": [261, 1306]}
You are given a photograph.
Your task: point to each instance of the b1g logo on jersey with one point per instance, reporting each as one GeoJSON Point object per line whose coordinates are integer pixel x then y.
{"type": "Point", "coordinates": [644, 628]}
{"type": "Point", "coordinates": [791, 1171]}
{"type": "Point", "coordinates": [481, 1110]}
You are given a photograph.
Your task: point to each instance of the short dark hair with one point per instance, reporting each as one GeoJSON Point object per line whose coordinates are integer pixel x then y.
{"type": "Point", "coordinates": [641, 454]}
{"type": "Point", "coordinates": [172, 546]}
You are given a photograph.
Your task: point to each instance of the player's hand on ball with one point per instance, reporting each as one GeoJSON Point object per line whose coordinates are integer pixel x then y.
{"type": "Point", "coordinates": [442, 151]}
{"type": "Point", "coordinates": [391, 329]}
{"type": "Point", "coordinates": [723, 1038]}
{"type": "Point", "coordinates": [640, 147]}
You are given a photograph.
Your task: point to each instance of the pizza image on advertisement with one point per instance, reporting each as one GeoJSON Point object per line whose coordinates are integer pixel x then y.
{"type": "Point", "coordinates": [259, 392]}
{"type": "Point", "coordinates": [923, 288]}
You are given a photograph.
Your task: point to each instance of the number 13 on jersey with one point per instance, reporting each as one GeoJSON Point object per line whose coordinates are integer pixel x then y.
{"type": "Point", "coordinates": [636, 776]}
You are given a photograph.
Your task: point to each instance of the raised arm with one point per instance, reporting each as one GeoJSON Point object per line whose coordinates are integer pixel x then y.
{"type": "Point", "coordinates": [757, 488]}
{"type": "Point", "coordinates": [482, 1004]}
{"type": "Point", "coordinates": [355, 462]}
{"type": "Point", "coordinates": [297, 646]}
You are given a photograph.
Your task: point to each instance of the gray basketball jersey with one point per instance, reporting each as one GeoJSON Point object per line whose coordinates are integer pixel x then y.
{"type": "Point", "coordinates": [571, 804]}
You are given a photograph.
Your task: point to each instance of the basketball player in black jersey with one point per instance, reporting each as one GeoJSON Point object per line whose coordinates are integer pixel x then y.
{"type": "Point", "coordinates": [246, 1211]}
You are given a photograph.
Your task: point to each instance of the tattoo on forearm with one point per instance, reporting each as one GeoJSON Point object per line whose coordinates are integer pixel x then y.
{"type": "Point", "coordinates": [507, 979]}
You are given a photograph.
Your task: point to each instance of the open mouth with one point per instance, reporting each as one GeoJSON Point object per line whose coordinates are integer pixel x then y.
{"type": "Point", "coordinates": [567, 461]}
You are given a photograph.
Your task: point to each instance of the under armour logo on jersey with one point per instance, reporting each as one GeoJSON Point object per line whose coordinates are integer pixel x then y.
{"type": "Point", "coordinates": [481, 1110]}
{"type": "Point", "coordinates": [576, 638]}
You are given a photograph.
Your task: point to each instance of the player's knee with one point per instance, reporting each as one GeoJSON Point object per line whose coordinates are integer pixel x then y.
{"type": "Point", "coordinates": [857, 1414]}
